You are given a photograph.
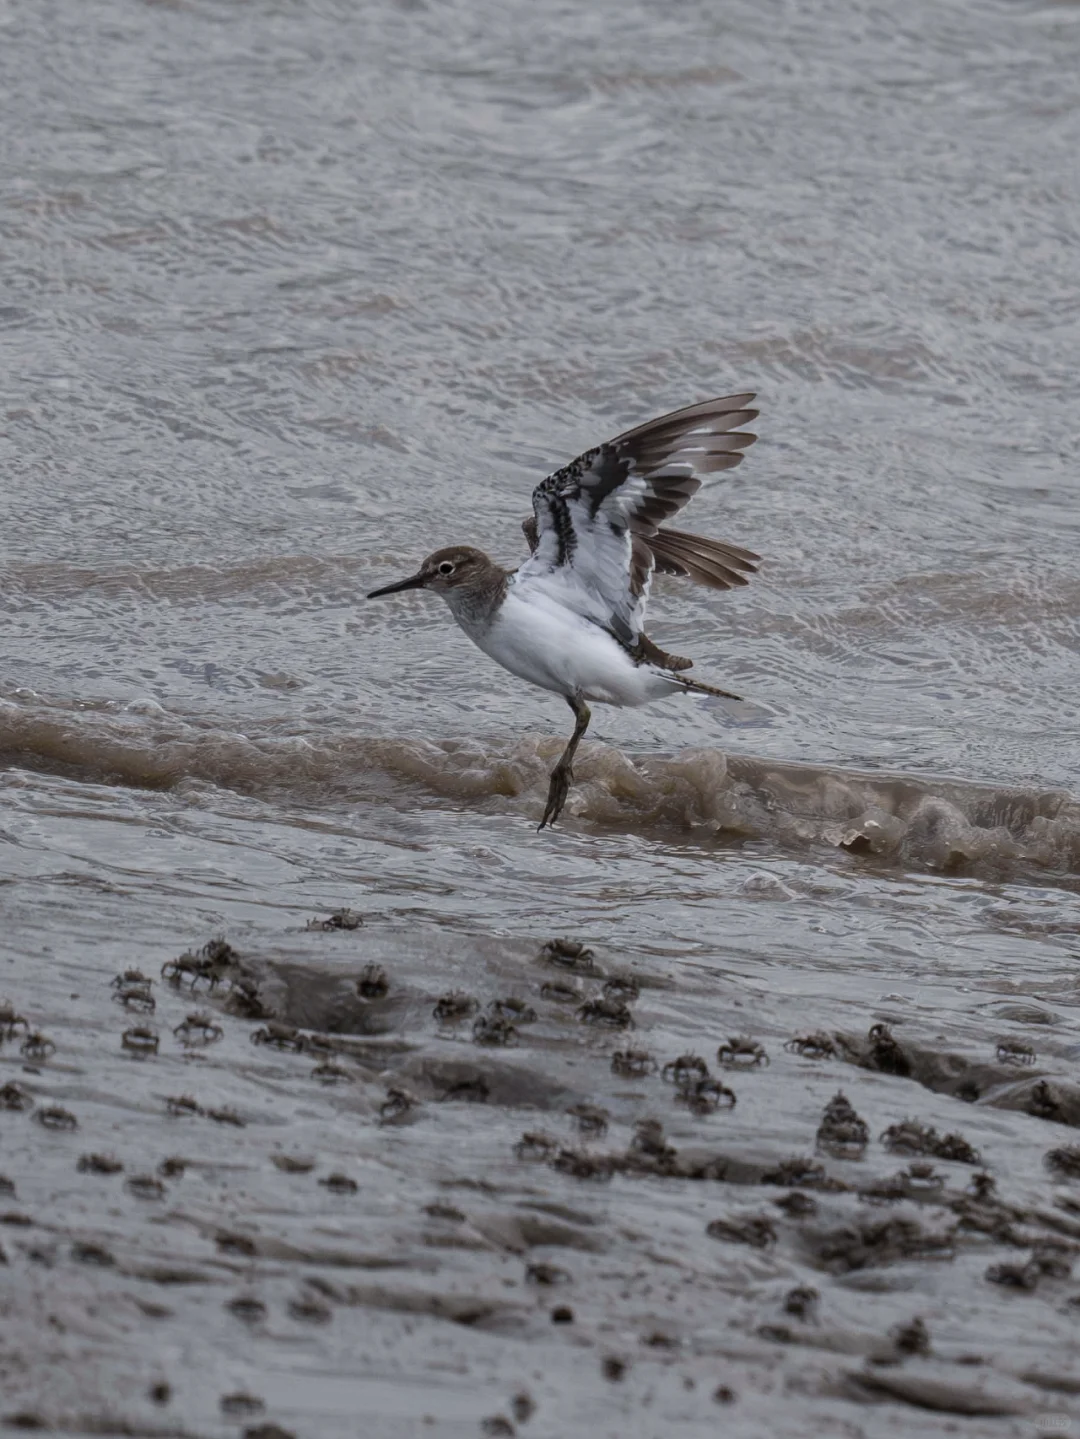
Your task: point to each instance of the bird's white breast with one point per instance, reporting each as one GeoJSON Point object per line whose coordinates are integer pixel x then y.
{"type": "Point", "coordinates": [541, 641]}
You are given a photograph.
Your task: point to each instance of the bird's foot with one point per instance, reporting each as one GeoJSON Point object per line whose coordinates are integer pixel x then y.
{"type": "Point", "coordinates": [562, 776]}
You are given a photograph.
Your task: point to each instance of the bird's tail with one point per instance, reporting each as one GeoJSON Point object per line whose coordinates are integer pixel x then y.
{"type": "Point", "coordinates": [699, 687]}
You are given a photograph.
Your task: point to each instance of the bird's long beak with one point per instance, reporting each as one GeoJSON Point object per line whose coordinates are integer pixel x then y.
{"type": "Point", "coordinates": [412, 583]}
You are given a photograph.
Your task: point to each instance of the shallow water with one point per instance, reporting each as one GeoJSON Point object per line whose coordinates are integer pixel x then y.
{"type": "Point", "coordinates": [294, 293]}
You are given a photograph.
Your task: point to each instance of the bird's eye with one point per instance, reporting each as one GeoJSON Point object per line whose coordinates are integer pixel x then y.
{"type": "Point", "coordinates": [446, 568]}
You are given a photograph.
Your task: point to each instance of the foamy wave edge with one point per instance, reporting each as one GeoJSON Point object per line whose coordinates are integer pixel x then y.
{"type": "Point", "coordinates": [919, 822]}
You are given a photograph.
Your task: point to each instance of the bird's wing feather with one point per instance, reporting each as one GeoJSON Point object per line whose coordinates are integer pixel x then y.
{"type": "Point", "coordinates": [597, 519]}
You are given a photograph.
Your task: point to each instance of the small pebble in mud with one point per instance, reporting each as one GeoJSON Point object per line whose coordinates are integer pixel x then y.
{"type": "Point", "coordinates": [241, 1405]}
{"type": "Point", "coordinates": [10, 1021]}
{"type": "Point", "coordinates": [339, 1184]}
{"type": "Point", "coordinates": [14, 1096]}
{"type": "Point", "coordinates": [332, 1074]}
{"type": "Point", "coordinates": [512, 1008]}
{"type": "Point", "coordinates": [54, 1117]}
{"type": "Point", "coordinates": [7, 1187]}
{"type": "Point", "coordinates": [172, 1168]}
{"type": "Point", "coordinates": [95, 1254]}
{"type": "Point", "coordinates": [757, 1230]}
{"type": "Point", "coordinates": [280, 1036]}
{"type": "Point", "coordinates": [632, 1063]}
{"type": "Point", "coordinates": [562, 1314]}
{"type": "Point", "coordinates": [310, 1311]}
{"type": "Point", "coordinates": [802, 1302]}
{"type": "Point", "coordinates": [210, 965]}
{"type": "Point", "coordinates": [146, 1186]}
{"type": "Point", "coordinates": [37, 1046]}
{"type": "Point", "coordinates": [722, 1394]}
{"type": "Point", "coordinates": [465, 1091]}
{"type": "Point", "coordinates": [611, 1013]}
{"type": "Point", "coordinates": [910, 1137]}
{"type": "Point", "coordinates": [338, 919]}
{"type": "Point", "coordinates": [497, 1426]}
{"type": "Point", "coordinates": [570, 954]}
{"type": "Point", "coordinates": [841, 1132]}
{"type": "Point", "coordinates": [546, 1274]}
{"type": "Point", "coordinates": [1014, 1276]}
{"type": "Point", "coordinates": [247, 1309]}
{"type": "Point", "coordinates": [293, 1163]}
{"type": "Point", "coordinates": [590, 1119]}
{"type": "Point", "coordinates": [613, 1368]}
{"type": "Point", "coordinates": [135, 996]}
{"type": "Point", "coordinates": [226, 1115]}
{"type": "Point", "coordinates": [741, 1052]}
{"type": "Point", "coordinates": [160, 1392]}
{"type": "Point", "coordinates": [1014, 1051]}
{"type": "Point", "coordinates": [497, 1033]}
{"type": "Point", "coordinates": [1043, 1102]}
{"type": "Point", "coordinates": [1064, 1161]}
{"type": "Point", "coordinates": [687, 1069]}
{"type": "Point", "coordinates": [912, 1338]}
{"type": "Point", "coordinates": [198, 1028]}
{"type": "Point", "coordinates": [374, 983]}
{"type": "Point", "coordinates": [812, 1046]}
{"type": "Point", "coordinates": [438, 1210]}
{"type": "Point", "coordinates": [230, 1242]}
{"type": "Point", "coordinates": [141, 1040]}
{"type": "Point", "coordinates": [267, 1431]}
{"type": "Point", "coordinates": [884, 1054]}
{"type": "Point", "coordinates": [454, 1006]}
{"type": "Point", "coordinates": [622, 987]}
{"type": "Point", "coordinates": [981, 1186]}
{"type": "Point", "coordinates": [705, 1096]}
{"type": "Point", "coordinates": [534, 1144]}
{"type": "Point", "coordinates": [398, 1106]}
{"type": "Point", "coordinates": [562, 991]}
{"type": "Point", "coordinates": [523, 1406]}
{"type": "Point", "coordinates": [98, 1164]}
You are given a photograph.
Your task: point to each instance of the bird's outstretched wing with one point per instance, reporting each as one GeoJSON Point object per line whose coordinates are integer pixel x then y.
{"type": "Point", "coordinates": [595, 531]}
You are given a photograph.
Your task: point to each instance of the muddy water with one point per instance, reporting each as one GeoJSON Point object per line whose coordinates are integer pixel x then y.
{"type": "Point", "coordinates": [294, 293]}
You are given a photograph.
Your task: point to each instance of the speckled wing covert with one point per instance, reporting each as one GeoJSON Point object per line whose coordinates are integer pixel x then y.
{"type": "Point", "coordinates": [595, 531]}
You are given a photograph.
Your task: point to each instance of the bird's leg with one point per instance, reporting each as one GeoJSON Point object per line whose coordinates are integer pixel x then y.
{"type": "Point", "coordinates": [562, 775]}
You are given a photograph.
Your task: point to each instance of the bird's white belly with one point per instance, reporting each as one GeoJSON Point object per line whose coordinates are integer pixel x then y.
{"type": "Point", "coordinates": [552, 647]}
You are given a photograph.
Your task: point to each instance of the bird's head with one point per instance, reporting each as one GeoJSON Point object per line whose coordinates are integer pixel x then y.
{"type": "Point", "coordinates": [456, 568]}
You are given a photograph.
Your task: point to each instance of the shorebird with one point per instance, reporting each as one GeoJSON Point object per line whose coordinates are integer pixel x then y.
{"type": "Point", "coordinates": [570, 618]}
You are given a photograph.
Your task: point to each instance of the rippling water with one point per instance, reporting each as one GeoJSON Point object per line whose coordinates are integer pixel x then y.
{"type": "Point", "coordinates": [294, 293]}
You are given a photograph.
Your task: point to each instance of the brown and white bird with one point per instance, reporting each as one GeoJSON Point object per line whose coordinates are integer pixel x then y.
{"type": "Point", "coordinates": [571, 617]}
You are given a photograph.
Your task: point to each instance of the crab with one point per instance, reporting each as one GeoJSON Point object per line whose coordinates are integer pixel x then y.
{"type": "Point", "coordinates": [497, 1033]}
{"type": "Point", "coordinates": [687, 1069]}
{"type": "Point", "coordinates": [373, 982]}
{"type": "Point", "coordinates": [632, 1063]}
{"type": "Point", "coordinates": [705, 1096]}
{"type": "Point", "coordinates": [534, 1144]}
{"type": "Point", "coordinates": [280, 1036]}
{"type": "Point", "coordinates": [517, 1011]}
{"type": "Point", "coordinates": [10, 1021]}
{"type": "Point", "coordinates": [454, 1006]}
{"type": "Point", "coordinates": [141, 1040]}
{"type": "Point", "coordinates": [338, 919]}
{"type": "Point", "coordinates": [611, 1013]}
{"type": "Point", "coordinates": [397, 1105]}
{"type": "Point", "coordinates": [37, 1046]}
{"type": "Point", "coordinates": [812, 1046]}
{"type": "Point", "coordinates": [590, 1119]}
{"type": "Point", "coordinates": [1014, 1051]}
{"type": "Point", "coordinates": [622, 987]}
{"type": "Point", "coordinates": [569, 954]}
{"type": "Point", "coordinates": [742, 1052]}
{"type": "Point", "coordinates": [198, 1028]}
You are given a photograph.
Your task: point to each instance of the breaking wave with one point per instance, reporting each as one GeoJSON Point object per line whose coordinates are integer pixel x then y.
{"type": "Point", "coordinates": [919, 822]}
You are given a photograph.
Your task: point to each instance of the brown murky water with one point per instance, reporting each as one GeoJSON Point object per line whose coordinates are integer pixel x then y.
{"type": "Point", "coordinates": [295, 292]}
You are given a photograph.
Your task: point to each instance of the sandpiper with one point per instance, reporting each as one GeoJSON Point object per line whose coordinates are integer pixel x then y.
{"type": "Point", "coordinates": [570, 618]}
